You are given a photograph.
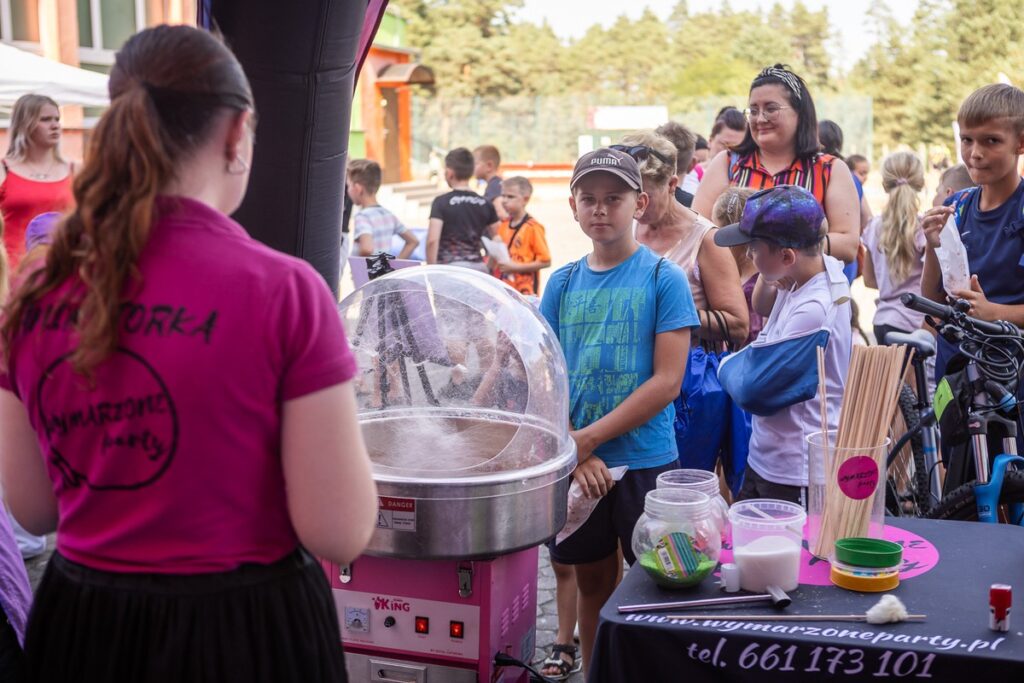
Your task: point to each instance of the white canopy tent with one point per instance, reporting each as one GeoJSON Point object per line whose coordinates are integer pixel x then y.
{"type": "Point", "coordinates": [22, 72]}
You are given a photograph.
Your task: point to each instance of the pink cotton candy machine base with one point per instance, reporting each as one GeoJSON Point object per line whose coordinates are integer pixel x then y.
{"type": "Point", "coordinates": [441, 620]}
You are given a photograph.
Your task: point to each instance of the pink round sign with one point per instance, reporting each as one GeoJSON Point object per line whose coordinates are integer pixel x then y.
{"type": "Point", "coordinates": [858, 477]}
{"type": "Point", "coordinates": [919, 556]}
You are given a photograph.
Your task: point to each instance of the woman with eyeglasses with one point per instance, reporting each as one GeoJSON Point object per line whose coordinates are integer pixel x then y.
{"type": "Point", "coordinates": [671, 230]}
{"type": "Point", "coordinates": [781, 148]}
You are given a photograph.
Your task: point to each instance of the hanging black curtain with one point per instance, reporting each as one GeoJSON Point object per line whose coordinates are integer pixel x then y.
{"type": "Point", "coordinates": [302, 59]}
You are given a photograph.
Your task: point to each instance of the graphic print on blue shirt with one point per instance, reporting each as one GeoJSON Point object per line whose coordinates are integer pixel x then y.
{"type": "Point", "coordinates": [605, 322]}
{"type": "Point", "coordinates": [995, 252]}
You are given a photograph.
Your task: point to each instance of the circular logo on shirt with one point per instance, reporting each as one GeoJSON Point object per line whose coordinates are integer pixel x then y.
{"type": "Point", "coordinates": [119, 433]}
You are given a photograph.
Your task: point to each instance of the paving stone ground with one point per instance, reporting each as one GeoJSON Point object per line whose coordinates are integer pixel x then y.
{"type": "Point", "coordinates": [547, 613]}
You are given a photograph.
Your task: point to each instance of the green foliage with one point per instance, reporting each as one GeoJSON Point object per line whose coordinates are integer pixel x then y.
{"type": "Point", "coordinates": [919, 75]}
{"type": "Point", "coordinates": [916, 75]}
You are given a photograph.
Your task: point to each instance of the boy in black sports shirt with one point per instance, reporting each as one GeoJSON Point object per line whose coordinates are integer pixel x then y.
{"type": "Point", "coordinates": [459, 218]}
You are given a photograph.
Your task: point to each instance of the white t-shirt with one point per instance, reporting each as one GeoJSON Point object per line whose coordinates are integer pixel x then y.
{"type": "Point", "coordinates": [690, 182]}
{"type": "Point", "coordinates": [778, 444]}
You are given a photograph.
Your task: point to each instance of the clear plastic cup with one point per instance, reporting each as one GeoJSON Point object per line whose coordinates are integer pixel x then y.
{"type": "Point", "coordinates": [767, 536]}
{"type": "Point", "coordinates": [845, 492]}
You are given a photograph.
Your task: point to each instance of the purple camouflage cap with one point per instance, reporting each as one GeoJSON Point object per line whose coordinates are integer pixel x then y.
{"type": "Point", "coordinates": [40, 229]}
{"type": "Point", "coordinates": [787, 215]}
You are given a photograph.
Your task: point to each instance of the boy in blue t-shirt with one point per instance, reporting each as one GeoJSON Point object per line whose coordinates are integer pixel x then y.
{"type": "Point", "coordinates": [990, 217]}
{"type": "Point", "coordinates": [623, 318]}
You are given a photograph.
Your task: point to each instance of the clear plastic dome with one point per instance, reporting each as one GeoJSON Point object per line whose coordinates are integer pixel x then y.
{"type": "Point", "coordinates": [460, 378]}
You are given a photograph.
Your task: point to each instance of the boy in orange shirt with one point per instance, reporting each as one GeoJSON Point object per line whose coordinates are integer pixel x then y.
{"type": "Point", "coordinates": [524, 237]}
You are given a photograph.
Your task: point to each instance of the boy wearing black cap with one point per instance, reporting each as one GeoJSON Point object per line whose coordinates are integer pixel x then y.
{"type": "Point", "coordinates": [623, 318]}
{"type": "Point", "coordinates": [801, 291]}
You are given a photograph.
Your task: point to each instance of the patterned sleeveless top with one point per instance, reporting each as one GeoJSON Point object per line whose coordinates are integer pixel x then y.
{"type": "Point", "coordinates": [811, 174]}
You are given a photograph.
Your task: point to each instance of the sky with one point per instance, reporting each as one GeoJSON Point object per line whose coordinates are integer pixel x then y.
{"type": "Point", "coordinates": [572, 18]}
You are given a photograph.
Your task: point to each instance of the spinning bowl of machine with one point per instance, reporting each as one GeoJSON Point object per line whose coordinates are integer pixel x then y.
{"type": "Point", "coordinates": [463, 405]}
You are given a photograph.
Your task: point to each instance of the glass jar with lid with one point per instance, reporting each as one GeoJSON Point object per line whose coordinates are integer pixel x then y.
{"type": "Point", "coordinates": [707, 483]}
{"type": "Point", "coordinates": [676, 540]}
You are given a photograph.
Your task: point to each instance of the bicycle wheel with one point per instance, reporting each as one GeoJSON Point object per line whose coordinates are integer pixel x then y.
{"type": "Point", "coordinates": [906, 479]}
{"type": "Point", "coordinates": [960, 505]}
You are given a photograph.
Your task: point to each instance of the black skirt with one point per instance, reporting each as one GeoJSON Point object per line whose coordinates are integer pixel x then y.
{"type": "Point", "coordinates": [258, 623]}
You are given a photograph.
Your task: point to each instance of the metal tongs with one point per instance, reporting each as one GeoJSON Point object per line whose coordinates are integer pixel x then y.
{"type": "Point", "coordinates": [775, 595]}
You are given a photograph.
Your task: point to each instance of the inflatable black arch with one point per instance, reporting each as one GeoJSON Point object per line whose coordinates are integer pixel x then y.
{"type": "Point", "coordinates": [302, 59]}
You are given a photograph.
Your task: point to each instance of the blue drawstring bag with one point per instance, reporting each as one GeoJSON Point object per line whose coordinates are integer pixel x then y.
{"type": "Point", "coordinates": [702, 411]}
{"type": "Point", "coordinates": [736, 447]}
{"type": "Point", "coordinates": [766, 377]}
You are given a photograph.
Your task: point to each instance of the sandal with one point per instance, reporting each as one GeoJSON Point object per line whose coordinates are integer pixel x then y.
{"type": "Point", "coordinates": [556, 661]}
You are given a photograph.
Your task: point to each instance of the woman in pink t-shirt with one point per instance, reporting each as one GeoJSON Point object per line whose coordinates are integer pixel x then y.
{"type": "Point", "coordinates": [176, 403]}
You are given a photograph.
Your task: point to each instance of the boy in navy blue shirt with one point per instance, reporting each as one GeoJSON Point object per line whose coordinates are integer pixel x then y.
{"type": "Point", "coordinates": [623, 318]}
{"type": "Point", "coordinates": [990, 217]}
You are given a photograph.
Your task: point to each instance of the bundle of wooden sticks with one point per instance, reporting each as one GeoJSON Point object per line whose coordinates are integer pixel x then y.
{"type": "Point", "coordinates": [872, 393]}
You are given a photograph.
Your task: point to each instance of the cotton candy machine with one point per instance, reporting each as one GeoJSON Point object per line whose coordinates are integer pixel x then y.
{"type": "Point", "coordinates": [463, 403]}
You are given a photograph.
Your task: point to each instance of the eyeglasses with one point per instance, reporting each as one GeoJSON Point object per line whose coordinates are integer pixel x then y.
{"type": "Point", "coordinates": [770, 113]}
{"type": "Point", "coordinates": [641, 152]}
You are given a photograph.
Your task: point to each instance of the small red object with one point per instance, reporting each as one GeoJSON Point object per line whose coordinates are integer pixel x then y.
{"type": "Point", "coordinates": [1000, 597]}
{"type": "Point", "coordinates": [422, 625]}
{"type": "Point", "coordinates": [455, 629]}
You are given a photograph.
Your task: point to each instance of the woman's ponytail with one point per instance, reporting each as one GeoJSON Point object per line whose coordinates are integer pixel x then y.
{"type": "Point", "coordinates": [903, 180]}
{"type": "Point", "coordinates": [167, 87]}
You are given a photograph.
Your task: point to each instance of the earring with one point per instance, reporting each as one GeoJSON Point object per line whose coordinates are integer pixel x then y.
{"type": "Point", "coordinates": [243, 166]}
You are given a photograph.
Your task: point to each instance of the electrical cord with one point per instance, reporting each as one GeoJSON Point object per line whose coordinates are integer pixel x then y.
{"type": "Point", "coordinates": [502, 659]}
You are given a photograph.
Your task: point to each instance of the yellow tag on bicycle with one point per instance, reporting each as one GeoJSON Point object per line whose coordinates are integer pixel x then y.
{"type": "Point", "coordinates": [943, 397]}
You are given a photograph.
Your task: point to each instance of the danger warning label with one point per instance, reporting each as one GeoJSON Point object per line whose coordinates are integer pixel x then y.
{"type": "Point", "coordinates": [397, 514]}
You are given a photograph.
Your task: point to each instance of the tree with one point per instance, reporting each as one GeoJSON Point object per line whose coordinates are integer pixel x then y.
{"type": "Point", "coordinates": [625, 63]}
{"type": "Point", "coordinates": [466, 43]}
{"type": "Point", "coordinates": [808, 34]}
{"type": "Point", "coordinates": [916, 75]}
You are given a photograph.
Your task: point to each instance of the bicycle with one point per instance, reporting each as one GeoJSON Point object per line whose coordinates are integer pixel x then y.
{"type": "Point", "coordinates": [913, 481]}
{"type": "Point", "coordinates": [978, 488]}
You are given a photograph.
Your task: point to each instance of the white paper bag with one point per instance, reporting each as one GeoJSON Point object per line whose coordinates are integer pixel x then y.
{"type": "Point", "coordinates": [580, 507]}
{"type": "Point", "coordinates": [496, 249]}
{"type": "Point", "coordinates": [952, 256]}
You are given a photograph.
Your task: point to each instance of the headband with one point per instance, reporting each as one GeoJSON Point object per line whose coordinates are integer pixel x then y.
{"type": "Point", "coordinates": [788, 77]}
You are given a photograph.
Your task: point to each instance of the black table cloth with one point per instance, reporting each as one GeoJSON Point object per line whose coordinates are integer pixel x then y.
{"type": "Point", "coordinates": [953, 644]}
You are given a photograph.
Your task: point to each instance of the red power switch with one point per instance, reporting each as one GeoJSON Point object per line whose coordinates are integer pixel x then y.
{"type": "Point", "coordinates": [455, 630]}
{"type": "Point", "coordinates": [422, 625]}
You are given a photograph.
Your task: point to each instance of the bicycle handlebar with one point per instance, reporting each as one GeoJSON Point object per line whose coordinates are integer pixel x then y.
{"type": "Point", "coordinates": [949, 314]}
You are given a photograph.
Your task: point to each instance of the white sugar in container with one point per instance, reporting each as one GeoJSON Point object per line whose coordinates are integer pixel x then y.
{"type": "Point", "coordinates": [767, 536]}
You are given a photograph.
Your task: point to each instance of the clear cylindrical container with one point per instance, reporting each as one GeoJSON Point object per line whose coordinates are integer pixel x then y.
{"type": "Point", "coordinates": [707, 483]}
{"type": "Point", "coordinates": [845, 492]}
{"type": "Point", "coordinates": [676, 539]}
{"type": "Point", "coordinates": [767, 536]}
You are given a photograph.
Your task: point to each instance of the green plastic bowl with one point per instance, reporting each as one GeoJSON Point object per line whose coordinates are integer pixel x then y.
{"type": "Point", "coordinates": [869, 552]}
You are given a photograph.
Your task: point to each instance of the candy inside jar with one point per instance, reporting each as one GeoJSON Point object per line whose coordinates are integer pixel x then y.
{"type": "Point", "coordinates": [707, 483]}
{"type": "Point", "coordinates": [676, 540]}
